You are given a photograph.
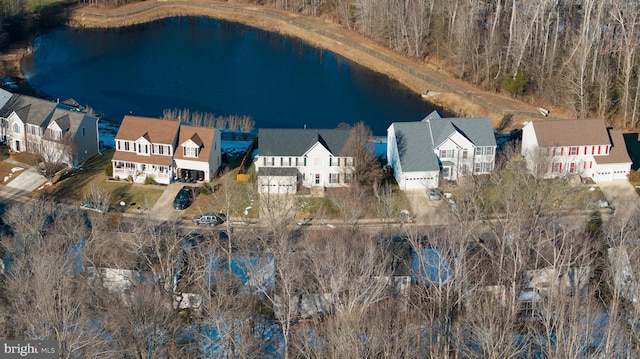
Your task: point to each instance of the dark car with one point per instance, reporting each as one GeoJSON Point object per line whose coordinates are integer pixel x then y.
{"type": "Point", "coordinates": [183, 199]}
{"type": "Point", "coordinates": [212, 219]}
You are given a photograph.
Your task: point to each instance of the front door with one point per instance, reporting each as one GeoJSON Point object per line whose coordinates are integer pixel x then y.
{"type": "Point", "coordinates": [18, 146]}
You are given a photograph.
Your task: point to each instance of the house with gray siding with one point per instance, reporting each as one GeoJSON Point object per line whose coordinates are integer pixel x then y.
{"type": "Point", "coordinates": [424, 153]}
{"type": "Point", "coordinates": [56, 130]}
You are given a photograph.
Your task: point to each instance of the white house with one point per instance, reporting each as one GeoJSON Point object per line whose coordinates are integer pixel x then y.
{"type": "Point", "coordinates": [150, 147]}
{"type": "Point", "coordinates": [198, 153]}
{"type": "Point", "coordinates": [583, 147]}
{"type": "Point", "coordinates": [49, 128]}
{"type": "Point", "coordinates": [422, 153]}
{"type": "Point", "coordinates": [289, 158]}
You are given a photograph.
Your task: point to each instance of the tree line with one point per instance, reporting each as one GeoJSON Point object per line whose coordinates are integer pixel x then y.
{"type": "Point", "coordinates": [506, 275]}
{"type": "Point", "coordinates": [579, 55]}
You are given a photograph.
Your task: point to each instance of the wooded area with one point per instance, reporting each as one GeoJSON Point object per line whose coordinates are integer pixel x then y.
{"type": "Point", "coordinates": [579, 55]}
{"type": "Point", "coordinates": [511, 275]}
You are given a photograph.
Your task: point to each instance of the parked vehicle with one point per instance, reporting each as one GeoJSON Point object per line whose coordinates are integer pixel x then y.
{"type": "Point", "coordinates": [212, 219]}
{"type": "Point", "coordinates": [183, 199]}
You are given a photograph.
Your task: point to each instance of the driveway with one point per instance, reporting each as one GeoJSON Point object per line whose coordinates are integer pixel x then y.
{"type": "Point", "coordinates": [163, 209]}
{"type": "Point", "coordinates": [622, 196]}
{"type": "Point", "coordinates": [428, 212]}
{"type": "Point", "coordinates": [28, 180]}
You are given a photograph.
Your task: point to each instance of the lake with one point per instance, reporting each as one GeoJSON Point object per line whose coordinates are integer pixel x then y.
{"type": "Point", "coordinates": [215, 66]}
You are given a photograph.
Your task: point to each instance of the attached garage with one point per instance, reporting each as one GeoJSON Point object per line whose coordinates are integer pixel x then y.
{"type": "Point", "coordinates": [278, 180]}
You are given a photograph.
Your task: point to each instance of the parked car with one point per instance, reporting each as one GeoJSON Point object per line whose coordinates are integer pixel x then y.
{"type": "Point", "coordinates": [183, 199]}
{"type": "Point", "coordinates": [95, 206]}
{"type": "Point", "coordinates": [212, 219]}
{"type": "Point", "coordinates": [434, 194]}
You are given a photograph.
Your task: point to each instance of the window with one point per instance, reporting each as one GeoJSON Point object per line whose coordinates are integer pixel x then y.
{"type": "Point", "coordinates": [477, 167]}
{"type": "Point", "coordinates": [126, 146]}
{"type": "Point", "coordinates": [334, 178]}
{"type": "Point", "coordinates": [55, 134]}
{"type": "Point", "coordinates": [488, 166]}
{"type": "Point", "coordinates": [478, 151]}
{"type": "Point", "coordinates": [489, 151]}
{"type": "Point", "coordinates": [556, 167]}
{"type": "Point", "coordinates": [446, 153]}
{"type": "Point", "coordinates": [334, 161]}
{"type": "Point", "coordinates": [573, 151]}
{"type": "Point", "coordinates": [317, 179]}
{"type": "Point", "coordinates": [190, 152]}
{"type": "Point", "coordinates": [83, 132]}
{"type": "Point", "coordinates": [16, 128]}
{"type": "Point", "coordinates": [348, 177]}
{"type": "Point", "coordinates": [572, 167]}
{"type": "Point", "coordinates": [33, 130]}
{"type": "Point", "coordinates": [465, 154]}
{"type": "Point", "coordinates": [348, 161]}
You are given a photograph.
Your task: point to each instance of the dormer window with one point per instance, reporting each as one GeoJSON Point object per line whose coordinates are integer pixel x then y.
{"type": "Point", "coordinates": [190, 151]}
{"type": "Point", "coordinates": [55, 134]}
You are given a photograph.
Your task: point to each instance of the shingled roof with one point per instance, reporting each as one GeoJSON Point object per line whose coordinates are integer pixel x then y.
{"type": "Point", "coordinates": [295, 142]}
{"type": "Point", "coordinates": [156, 130]}
{"type": "Point", "coordinates": [571, 132]}
{"type": "Point", "coordinates": [31, 110]}
{"type": "Point", "coordinates": [417, 140]}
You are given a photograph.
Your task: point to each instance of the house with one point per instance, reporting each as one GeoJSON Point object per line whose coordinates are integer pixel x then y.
{"type": "Point", "coordinates": [290, 158]}
{"type": "Point", "coordinates": [583, 147]}
{"type": "Point", "coordinates": [425, 152]}
{"type": "Point", "coordinates": [165, 150]}
{"type": "Point", "coordinates": [58, 131]}
{"type": "Point", "coordinates": [198, 154]}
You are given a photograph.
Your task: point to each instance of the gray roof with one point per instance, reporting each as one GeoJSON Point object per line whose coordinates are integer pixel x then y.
{"type": "Point", "coordinates": [5, 96]}
{"type": "Point", "coordinates": [278, 171]}
{"type": "Point", "coordinates": [31, 110]}
{"type": "Point", "coordinates": [295, 142]}
{"type": "Point", "coordinates": [416, 145]}
{"type": "Point", "coordinates": [69, 120]}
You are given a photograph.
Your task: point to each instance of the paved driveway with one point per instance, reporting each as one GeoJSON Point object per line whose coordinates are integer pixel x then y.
{"type": "Point", "coordinates": [426, 211]}
{"type": "Point", "coordinates": [163, 208]}
{"type": "Point", "coordinates": [28, 180]}
{"type": "Point", "coordinates": [622, 196]}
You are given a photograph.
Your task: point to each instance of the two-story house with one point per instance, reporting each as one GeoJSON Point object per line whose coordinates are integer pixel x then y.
{"type": "Point", "coordinates": [289, 158]}
{"type": "Point", "coordinates": [60, 132]}
{"type": "Point", "coordinates": [165, 150]}
{"type": "Point", "coordinates": [582, 147]}
{"type": "Point", "coordinates": [425, 152]}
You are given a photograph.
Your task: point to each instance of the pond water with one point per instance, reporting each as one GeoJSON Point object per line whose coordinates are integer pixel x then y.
{"type": "Point", "coordinates": [219, 67]}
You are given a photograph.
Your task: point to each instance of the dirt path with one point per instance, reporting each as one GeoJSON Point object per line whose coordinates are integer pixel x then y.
{"type": "Point", "coordinates": [453, 94]}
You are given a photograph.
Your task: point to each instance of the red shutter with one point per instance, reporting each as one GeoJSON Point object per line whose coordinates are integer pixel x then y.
{"type": "Point", "coordinates": [560, 168]}
{"type": "Point", "coordinates": [606, 150]}
{"type": "Point", "coordinates": [599, 149]}
{"type": "Point", "coordinates": [585, 150]}
{"type": "Point", "coordinates": [590, 164]}
{"type": "Point", "coordinates": [593, 150]}
{"type": "Point", "coordinates": [561, 151]}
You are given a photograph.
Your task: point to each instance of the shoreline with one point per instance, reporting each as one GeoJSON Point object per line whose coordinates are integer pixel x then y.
{"type": "Point", "coordinates": [454, 95]}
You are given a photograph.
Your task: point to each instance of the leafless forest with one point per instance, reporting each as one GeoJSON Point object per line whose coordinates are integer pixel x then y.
{"type": "Point", "coordinates": [508, 276]}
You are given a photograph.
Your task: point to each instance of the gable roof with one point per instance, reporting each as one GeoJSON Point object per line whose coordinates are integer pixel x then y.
{"type": "Point", "coordinates": [295, 142]}
{"type": "Point", "coordinates": [414, 147]}
{"type": "Point", "coordinates": [570, 132]}
{"type": "Point", "coordinates": [69, 120]}
{"type": "Point", "coordinates": [478, 130]}
{"type": "Point", "coordinates": [157, 130]}
{"type": "Point", "coordinates": [203, 136]}
{"type": "Point", "coordinates": [31, 110]}
{"type": "Point", "coordinates": [418, 139]}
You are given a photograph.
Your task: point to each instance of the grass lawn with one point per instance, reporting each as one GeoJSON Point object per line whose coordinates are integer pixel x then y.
{"type": "Point", "coordinates": [91, 176]}
{"type": "Point", "coordinates": [5, 170]}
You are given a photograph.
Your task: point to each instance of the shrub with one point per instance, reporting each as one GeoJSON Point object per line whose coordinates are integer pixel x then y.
{"type": "Point", "coordinates": [149, 180]}
{"type": "Point", "coordinates": [515, 85]}
{"type": "Point", "coordinates": [634, 177]}
{"type": "Point", "coordinates": [206, 190]}
{"type": "Point", "coordinates": [108, 171]}
{"type": "Point", "coordinates": [117, 178]}
{"type": "Point", "coordinates": [129, 178]}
